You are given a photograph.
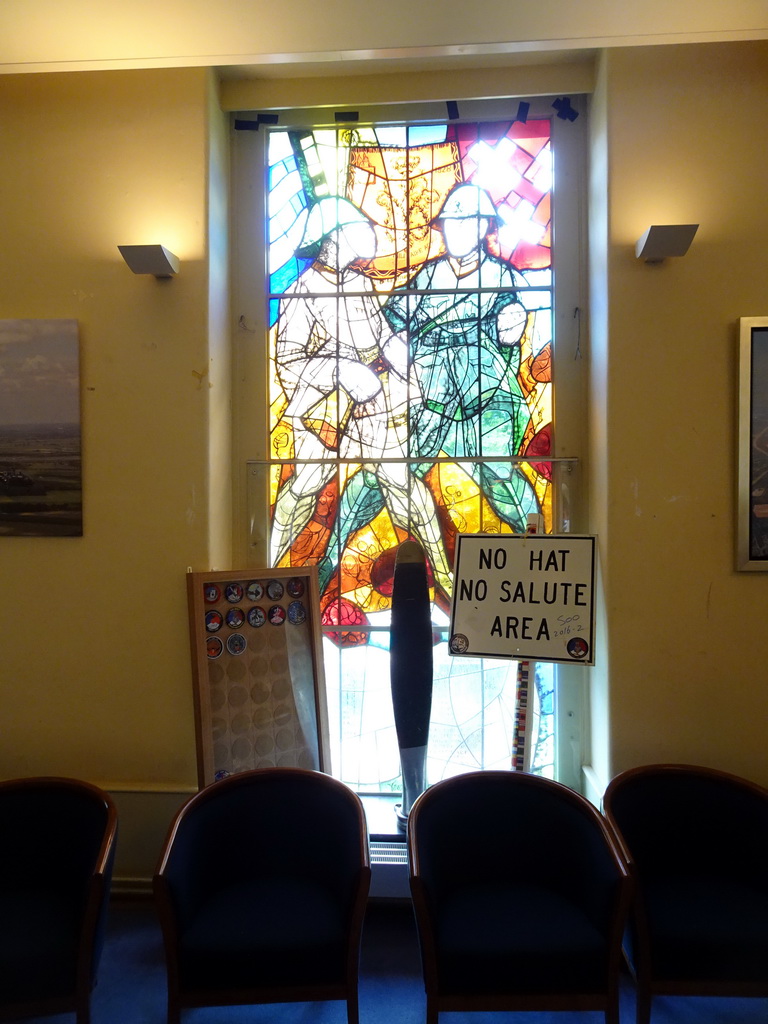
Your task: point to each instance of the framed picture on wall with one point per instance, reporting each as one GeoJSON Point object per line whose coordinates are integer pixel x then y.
{"type": "Point", "coordinates": [752, 528]}
{"type": "Point", "coordinates": [40, 451]}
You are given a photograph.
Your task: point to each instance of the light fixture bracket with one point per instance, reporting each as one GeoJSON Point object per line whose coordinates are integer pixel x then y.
{"type": "Point", "coordinates": [150, 259]}
{"type": "Point", "coordinates": [663, 240]}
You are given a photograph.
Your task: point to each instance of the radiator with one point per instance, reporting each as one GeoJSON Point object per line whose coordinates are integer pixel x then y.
{"type": "Point", "coordinates": [389, 870]}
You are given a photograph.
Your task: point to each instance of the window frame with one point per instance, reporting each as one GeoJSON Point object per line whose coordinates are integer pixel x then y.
{"type": "Point", "coordinates": [250, 350]}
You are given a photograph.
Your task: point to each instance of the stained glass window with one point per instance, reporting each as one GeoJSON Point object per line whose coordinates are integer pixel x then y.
{"type": "Point", "coordinates": [410, 331]}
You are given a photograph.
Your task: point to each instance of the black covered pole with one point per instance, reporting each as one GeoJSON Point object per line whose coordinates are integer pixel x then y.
{"type": "Point", "coordinates": [411, 669]}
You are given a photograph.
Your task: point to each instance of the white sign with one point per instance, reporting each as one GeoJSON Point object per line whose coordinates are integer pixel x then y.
{"type": "Point", "coordinates": [524, 596]}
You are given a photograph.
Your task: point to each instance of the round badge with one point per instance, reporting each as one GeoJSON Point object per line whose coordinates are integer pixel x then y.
{"type": "Point", "coordinates": [213, 621]}
{"type": "Point", "coordinates": [236, 643]}
{"type": "Point", "coordinates": [275, 590]}
{"type": "Point", "coordinates": [295, 586]}
{"type": "Point", "coordinates": [297, 613]}
{"type": "Point", "coordinates": [277, 615]}
{"type": "Point", "coordinates": [233, 592]}
{"type": "Point", "coordinates": [577, 647]}
{"type": "Point", "coordinates": [256, 617]}
{"type": "Point", "coordinates": [235, 618]}
{"type": "Point", "coordinates": [254, 591]}
{"type": "Point", "coordinates": [214, 647]}
{"type": "Point", "coordinates": [458, 644]}
{"type": "Point", "coordinates": [212, 593]}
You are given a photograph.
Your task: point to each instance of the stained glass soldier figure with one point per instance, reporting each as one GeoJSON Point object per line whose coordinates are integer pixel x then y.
{"type": "Point", "coordinates": [345, 375]}
{"type": "Point", "coordinates": [464, 321]}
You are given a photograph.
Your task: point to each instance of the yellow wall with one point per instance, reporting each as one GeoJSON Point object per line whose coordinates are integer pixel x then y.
{"type": "Point", "coordinates": [95, 661]}
{"type": "Point", "coordinates": [687, 135]}
{"type": "Point", "coordinates": [95, 671]}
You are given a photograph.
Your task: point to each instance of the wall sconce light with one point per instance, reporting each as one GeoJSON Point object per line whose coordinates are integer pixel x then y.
{"type": "Point", "coordinates": [150, 259]}
{"type": "Point", "coordinates": [663, 240]}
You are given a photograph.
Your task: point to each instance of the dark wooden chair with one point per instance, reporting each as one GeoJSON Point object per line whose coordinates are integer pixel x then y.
{"type": "Point", "coordinates": [697, 842]}
{"type": "Point", "coordinates": [56, 856]}
{"type": "Point", "coordinates": [261, 891]}
{"type": "Point", "coordinates": [521, 895]}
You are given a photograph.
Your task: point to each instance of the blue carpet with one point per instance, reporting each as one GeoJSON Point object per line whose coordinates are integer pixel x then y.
{"type": "Point", "coordinates": [131, 988]}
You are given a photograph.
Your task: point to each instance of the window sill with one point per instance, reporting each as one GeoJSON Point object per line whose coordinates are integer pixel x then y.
{"type": "Point", "coordinates": [381, 817]}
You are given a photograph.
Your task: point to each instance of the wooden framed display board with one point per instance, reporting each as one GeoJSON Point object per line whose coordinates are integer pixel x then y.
{"type": "Point", "coordinates": [258, 671]}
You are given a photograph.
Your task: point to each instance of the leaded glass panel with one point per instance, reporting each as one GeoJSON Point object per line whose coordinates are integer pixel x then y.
{"type": "Point", "coordinates": [410, 332]}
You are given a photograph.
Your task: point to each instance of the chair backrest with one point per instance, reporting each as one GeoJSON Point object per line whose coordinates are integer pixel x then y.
{"type": "Point", "coordinates": [266, 822]}
{"type": "Point", "coordinates": [498, 824]}
{"type": "Point", "coordinates": [678, 818]}
{"type": "Point", "coordinates": [59, 837]}
{"type": "Point", "coordinates": [55, 831]}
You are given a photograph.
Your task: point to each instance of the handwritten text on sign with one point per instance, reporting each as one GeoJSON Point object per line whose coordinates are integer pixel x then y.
{"type": "Point", "coordinates": [524, 596]}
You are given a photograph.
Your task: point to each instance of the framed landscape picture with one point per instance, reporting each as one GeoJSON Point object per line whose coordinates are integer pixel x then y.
{"type": "Point", "coordinates": [752, 528]}
{"type": "Point", "coordinates": [40, 451]}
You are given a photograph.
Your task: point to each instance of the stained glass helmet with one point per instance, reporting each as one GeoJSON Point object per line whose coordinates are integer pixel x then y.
{"type": "Point", "coordinates": [467, 200]}
{"type": "Point", "coordinates": [325, 217]}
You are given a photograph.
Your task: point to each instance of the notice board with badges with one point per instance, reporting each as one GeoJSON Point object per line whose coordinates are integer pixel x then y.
{"type": "Point", "coordinates": [257, 665]}
{"type": "Point", "coordinates": [525, 597]}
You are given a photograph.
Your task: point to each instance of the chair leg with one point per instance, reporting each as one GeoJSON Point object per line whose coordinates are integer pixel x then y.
{"type": "Point", "coordinates": [432, 1011]}
{"type": "Point", "coordinates": [612, 1008]}
{"type": "Point", "coordinates": [643, 1005]}
{"type": "Point", "coordinates": [353, 1010]}
{"type": "Point", "coordinates": [83, 1011]}
{"type": "Point", "coordinates": [174, 1009]}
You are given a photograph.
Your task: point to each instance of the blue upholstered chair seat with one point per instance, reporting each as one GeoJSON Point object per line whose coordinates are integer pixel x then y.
{"type": "Point", "coordinates": [517, 938]}
{"type": "Point", "coordinates": [249, 929]}
{"type": "Point", "coordinates": [38, 942]}
{"type": "Point", "coordinates": [55, 870]}
{"type": "Point", "coordinates": [707, 927]}
{"type": "Point", "coordinates": [697, 838]}
{"type": "Point", "coordinates": [261, 890]}
{"type": "Point", "coordinates": [520, 894]}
